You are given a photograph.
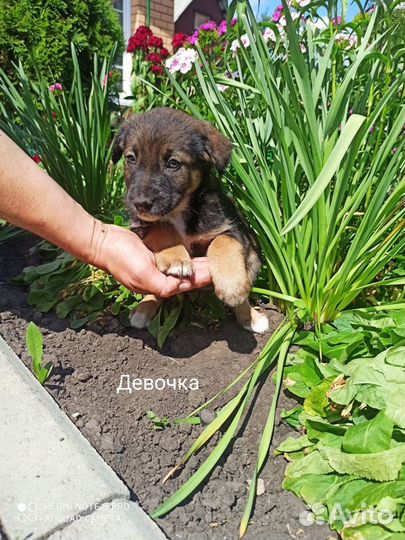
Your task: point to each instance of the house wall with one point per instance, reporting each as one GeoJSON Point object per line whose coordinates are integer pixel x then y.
{"type": "Point", "coordinates": [210, 8]}
{"type": "Point", "coordinates": [162, 14]}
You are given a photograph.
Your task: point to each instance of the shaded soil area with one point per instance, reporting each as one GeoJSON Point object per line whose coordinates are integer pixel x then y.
{"type": "Point", "coordinates": [88, 365]}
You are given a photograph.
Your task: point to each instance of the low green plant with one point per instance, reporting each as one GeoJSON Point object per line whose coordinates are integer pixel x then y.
{"type": "Point", "coordinates": [161, 423]}
{"type": "Point", "coordinates": [35, 346]}
{"type": "Point", "coordinates": [348, 462]}
{"type": "Point", "coordinates": [69, 130]}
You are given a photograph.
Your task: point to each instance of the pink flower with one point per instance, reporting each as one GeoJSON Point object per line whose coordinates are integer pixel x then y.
{"type": "Point", "coordinates": [208, 26]}
{"type": "Point", "coordinates": [55, 86]}
{"type": "Point", "coordinates": [193, 39]}
{"type": "Point", "coordinates": [234, 21]}
{"type": "Point", "coordinates": [336, 22]}
{"type": "Point", "coordinates": [372, 128]}
{"type": "Point", "coordinates": [222, 28]}
{"type": "Point", "coordinates": [36, 158]}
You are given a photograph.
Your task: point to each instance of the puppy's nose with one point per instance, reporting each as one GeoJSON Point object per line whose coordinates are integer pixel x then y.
{"type": "Point", "coordinates": [143, 205]}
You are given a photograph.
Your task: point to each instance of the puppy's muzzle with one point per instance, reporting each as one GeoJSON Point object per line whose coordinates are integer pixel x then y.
{"type": "Point", "coordinates": [143, 205]}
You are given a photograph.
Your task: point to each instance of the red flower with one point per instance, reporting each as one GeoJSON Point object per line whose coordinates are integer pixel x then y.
{"type": "Point", "coordinates": [164, 53]}
{"type": "Point", "coordinates": [36, 158]}
{"type": "Point", "coordinates": [157, 69]}
{"type": "Point", "coordinates": [140, 39]}
{"type": "Point", "coordinates": [155, 41]}
{"type": "Point", "coordinates": [153, 58]}
{"type": "Point", "coordinates": [178, 40]}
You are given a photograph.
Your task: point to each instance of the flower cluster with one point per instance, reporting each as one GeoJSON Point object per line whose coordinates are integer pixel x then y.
{"type": "Point", "coordinates": [179, 40]}
{"type": "Point", "coordinates": [56, 86]}
{"type": "Point", "coordinates": [210, 26]}
{"type": "Point", "coordinates": [182, 60]}
{"type": "Point", "coordinates": [151, 46]}
{"type": "Point", "coordinates": [346, 40]}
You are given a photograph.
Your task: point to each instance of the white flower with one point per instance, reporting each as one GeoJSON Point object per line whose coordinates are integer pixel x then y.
{"type": "Point", "coordinates": [282, 21]}
{"type": "Point", "coordinates": [318, 24]}
{"type": "Point", "coordinates": [303, 3]}
{"type": "Point", "coordinates": [222, 87]}
{"type": "Point", "coordinates": [245, 40]}
{"type": "Point", "coordinates": [235, 43]}
{"type": "Point", "coordinates": [303, 48]}
{"type": "Point", "coordinates": [346, 39]}
{"type": "Point", "coordinates": [294, 15]}
{"type": "Point", "coordinates": [269, 34]}
{"type": "Point", "coordinates": [182, 61]}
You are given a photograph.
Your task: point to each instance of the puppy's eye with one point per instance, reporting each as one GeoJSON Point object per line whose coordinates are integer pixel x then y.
{"type": "Point", "coordinates": [173, 164]}
{"type": "Point", "coordinates": [130, 158]}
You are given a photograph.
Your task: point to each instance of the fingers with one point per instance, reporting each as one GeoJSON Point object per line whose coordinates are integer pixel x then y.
{"type": "Point", "coordinates": [165, 286]}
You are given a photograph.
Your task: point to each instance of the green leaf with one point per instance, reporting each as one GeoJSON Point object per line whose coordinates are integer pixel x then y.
{"type": "Point", "coordinates": [35, 343]}
{"type": "Point", "coordinates": [314, 193]}
{"type": "Point", "coordinates": [317, 403]}
{"type": "Point", "coordinates": [369, 437]}
{"type": "Point", "coordinates": [169, 324]}
{"type": "Point", "coordinates": [313, 463]}
{"type": "Point", "coordinates": [381, 466]}
{"type": "Point", "coordinates": [294, 444]}
{"type": "Point", "coordinates": [370, 531]}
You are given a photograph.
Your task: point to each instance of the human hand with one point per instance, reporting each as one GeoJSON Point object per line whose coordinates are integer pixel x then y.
{"type": "Point", "coordinates": [123, 254]}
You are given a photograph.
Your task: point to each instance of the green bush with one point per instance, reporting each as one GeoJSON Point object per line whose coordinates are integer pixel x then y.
{"type": "Point", "coordinates": [43, 30]}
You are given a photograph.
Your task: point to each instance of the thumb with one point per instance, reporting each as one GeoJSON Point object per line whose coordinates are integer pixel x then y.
{"type": "Point", "coordinates": [164, 286]}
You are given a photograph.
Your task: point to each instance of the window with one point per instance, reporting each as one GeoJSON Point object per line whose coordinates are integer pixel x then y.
{"type": "Point", "coordinates": [124, 60]}
{"type": "Point", "coordinates": [200, 18]}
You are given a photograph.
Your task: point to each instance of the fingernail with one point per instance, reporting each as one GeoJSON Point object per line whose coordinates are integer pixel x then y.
{"type": "Point", "coordinates": [185, 286]}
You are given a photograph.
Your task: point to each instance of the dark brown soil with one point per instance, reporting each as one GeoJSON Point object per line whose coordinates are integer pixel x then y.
{"type": "Point", "coordinates": [88, 365]}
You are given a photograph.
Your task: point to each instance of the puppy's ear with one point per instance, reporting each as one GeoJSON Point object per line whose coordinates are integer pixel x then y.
{"type": "Point", "coordinates": [119, 143]}
{"type": "Point", "coordinates": [217, 149]}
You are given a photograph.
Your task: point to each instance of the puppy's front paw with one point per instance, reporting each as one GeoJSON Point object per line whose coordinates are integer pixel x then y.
{"type": "Point", "coordinates": [139, 320]}
{"type": "Point", "coordinates": [146, 310]}
{"type": "Point", "coordinates": [175, 263]}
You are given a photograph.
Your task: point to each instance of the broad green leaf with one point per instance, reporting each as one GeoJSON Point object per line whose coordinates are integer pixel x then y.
{"type": "Point", "coordinates": [370, 531]}
{"type": "Point", "coordinates": [381, 466]}
{"type": "Point", "coordinates": [369, 437]}
{"type": "Point", "coordinates": [313, 463]}
{"type": "Point", "coordinates": [293, 444]}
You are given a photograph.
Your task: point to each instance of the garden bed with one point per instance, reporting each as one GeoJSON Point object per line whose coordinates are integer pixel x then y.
{"type": "Point", "coordinates": [88, 365]}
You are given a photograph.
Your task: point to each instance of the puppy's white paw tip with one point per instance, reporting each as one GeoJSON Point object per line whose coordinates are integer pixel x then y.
{"type": "Point", "coordinates": [259, 324]}
{"type": "Point", "coordinates": [139, 320]}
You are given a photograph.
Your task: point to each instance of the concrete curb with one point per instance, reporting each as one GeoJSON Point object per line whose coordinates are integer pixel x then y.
{"type": "Point", "coordinates": [53, 484]}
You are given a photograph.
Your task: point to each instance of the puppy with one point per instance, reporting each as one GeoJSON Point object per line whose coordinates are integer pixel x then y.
{"type": "Point", "coordinates": [176, 204]}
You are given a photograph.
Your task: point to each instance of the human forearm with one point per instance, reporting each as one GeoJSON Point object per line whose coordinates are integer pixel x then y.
{"type": "Point", "coordinates": [32, 200]}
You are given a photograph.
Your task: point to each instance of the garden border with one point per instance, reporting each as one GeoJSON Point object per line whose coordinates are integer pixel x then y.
{"type": "Point", "coordinates": [54, 483]}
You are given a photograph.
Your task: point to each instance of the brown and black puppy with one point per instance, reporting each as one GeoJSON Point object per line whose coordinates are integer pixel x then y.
{"type": "Point", "coordinates": [177, 207]}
